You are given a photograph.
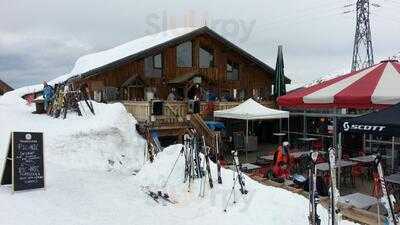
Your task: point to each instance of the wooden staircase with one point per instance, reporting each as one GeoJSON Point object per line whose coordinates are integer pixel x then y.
{"type": "Point", "coordinates": [197, 122]}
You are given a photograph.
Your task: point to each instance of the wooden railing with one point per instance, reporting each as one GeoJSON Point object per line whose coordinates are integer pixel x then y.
{"type": "Point", "coordinates": [202, 129]}
{"type": "Point", "coordinates": [174, 111]}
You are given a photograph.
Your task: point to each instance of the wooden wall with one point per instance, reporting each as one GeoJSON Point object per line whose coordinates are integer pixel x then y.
{"type": "Point", "coordinates": [4, 88]}
{"type": "Point", "coordinates": [250, 75]}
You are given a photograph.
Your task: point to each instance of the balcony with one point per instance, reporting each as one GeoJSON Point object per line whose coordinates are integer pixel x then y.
{"type": "Point", "coordinates": [175, 111]}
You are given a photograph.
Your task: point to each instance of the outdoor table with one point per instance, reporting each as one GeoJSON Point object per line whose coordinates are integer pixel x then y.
{"type": "Point", "coordinates": [394, 181]}
{"type": "Point", "coordinates": [358, 200]}
{"type": "Point", "coordinates": [307, 142]}
{"type": "Point", "coordinates": [293, 154]}
{"type": "Point", "coordinates": [324, 168]}
{"type": "Point", "coordinates": [364, 159]}
{"type": "Point", "coordinates": [340, 163]}
{"type": "Point", "coordinates": [267, 157]}
{"type": "Point", "coordinates": [367, 160]}
{"type": "Point", "coordinates": [279, 135]}
{"type": "Point", "coordinates": [298, 154]}
{"type": "Point", "coordinates": [246, 167]}
{"type": "Point", "coordinates": [393, 178]}
{"type": "Point", "coordinates": [307, 139]}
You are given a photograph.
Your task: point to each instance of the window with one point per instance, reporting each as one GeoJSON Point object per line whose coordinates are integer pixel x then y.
{"type": "Point", "coordinates": [206, 57]}
{"type": "Point", "coordinates": [184, 54]}
{"type": "Point", "coordinates": [232, 71]}
{"type": "Point", "coordinates": [153, 66]}
{"type": "Point", "coordinates": [157, 61]}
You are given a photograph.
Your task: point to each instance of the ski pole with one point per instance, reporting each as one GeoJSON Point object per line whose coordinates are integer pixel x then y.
{"type": "Point", "coordinates": [173, 167]}
{"type": "Point", "coordinates": [232, 191]}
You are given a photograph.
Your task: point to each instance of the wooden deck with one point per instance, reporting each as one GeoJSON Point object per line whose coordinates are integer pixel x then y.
{"type": "Point", "coordinates": [175, 111]}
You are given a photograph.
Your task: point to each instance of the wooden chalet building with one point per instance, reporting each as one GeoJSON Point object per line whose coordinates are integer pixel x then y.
{"type": "Point", "coordinates": [4, 87]}
{"type": "Point", "coordinates": [188, 62]}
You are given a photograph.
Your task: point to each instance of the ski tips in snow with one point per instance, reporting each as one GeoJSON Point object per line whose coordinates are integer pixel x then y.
{"type": "Point", "coordinates": [158, 196]}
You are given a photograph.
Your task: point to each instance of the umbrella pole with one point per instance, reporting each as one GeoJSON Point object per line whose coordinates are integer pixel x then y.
{"type": "Point", "coordinates": [247, 137]}
{"type": "Point", "coordinates": [339, 157]}
{"type": "Point", "coordinates": [288, 130]}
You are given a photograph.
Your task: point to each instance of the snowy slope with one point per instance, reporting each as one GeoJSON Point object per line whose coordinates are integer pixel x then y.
{"type": "Point", "coordinates": [88, 142]}
{"type": "Point", "coordinates": [83, 188]}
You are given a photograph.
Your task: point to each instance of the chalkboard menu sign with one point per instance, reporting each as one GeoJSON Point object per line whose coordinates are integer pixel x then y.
{"type": "Point", "coordinates": [25, 156]}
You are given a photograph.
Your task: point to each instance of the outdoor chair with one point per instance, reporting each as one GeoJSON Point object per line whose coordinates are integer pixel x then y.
{"type": "Point", "coordinates": [358, 171]}
{"type": "Point", "coordinates": [376, 188]}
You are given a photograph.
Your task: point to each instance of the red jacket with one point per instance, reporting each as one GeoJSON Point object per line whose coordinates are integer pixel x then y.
{"type": "Point", "coordinates": [280, 173]}
{"type": "Point", "coordinates": [281, 157]}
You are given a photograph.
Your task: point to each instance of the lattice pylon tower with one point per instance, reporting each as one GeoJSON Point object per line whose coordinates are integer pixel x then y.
{"type": "Point", "coordinates": [363, 54]}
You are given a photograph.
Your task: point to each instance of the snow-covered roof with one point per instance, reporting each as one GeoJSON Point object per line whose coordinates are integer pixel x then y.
{"type": "Point", "coordinates": [93, 61]}
{"type": "Point", "coordinates": [139, 47]}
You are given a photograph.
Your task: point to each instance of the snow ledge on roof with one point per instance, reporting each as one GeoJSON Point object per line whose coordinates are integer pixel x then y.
{"type": "Point", "coordinates": [95, 60]}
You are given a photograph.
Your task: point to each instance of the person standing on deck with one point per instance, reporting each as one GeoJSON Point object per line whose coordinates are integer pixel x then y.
{"type": "Point", "coordinates": [48, 94]}
{"type": "Point", "coordinates": [171, 95]}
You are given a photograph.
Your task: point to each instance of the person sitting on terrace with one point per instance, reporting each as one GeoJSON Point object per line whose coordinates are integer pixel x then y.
{"type": "Point", "coordinates": [282, 154]}
{"type": "Point", "coordinates": [281, 171]}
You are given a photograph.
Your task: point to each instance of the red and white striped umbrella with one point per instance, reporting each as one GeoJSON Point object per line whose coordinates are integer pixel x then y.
{"type": "Point", "coordinates": [374, 87]}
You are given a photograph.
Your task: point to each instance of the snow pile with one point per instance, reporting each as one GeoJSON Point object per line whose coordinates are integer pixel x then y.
{"type": "Point", "coordinates": [105, 141]}
{"type": "Point", "coordinates": [262, 205]}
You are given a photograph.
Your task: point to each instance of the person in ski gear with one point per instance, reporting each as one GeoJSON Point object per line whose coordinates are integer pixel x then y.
{"type": "Point", "coordinates": [282, 154]}
{"type": "Point", "coordinates": [281, 171]}
{"type": "Point", "coordinates": [48, 94]}
{"type": "Point", "coordinates": [171, 95]}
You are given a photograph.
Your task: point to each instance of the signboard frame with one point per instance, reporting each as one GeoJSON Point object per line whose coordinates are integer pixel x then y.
{"type": "Point", "coordinates": [6, 166]}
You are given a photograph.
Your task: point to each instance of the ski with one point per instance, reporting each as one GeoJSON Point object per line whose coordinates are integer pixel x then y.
{"type": "Point", "coordinates": [334, 211]}
{"type": "Point", "coordinates": [186, 146]}
{"type": "Point", "coordinates": [158, 195]}
{"type": "Point", "coordinates": [166, 197]}
{"type": "Point", "coordinates": [197, 158]}
{"type": "Point", "coordinates": [207, 159]}
{"type": "Point", "coordinates": [153, 196]}
{"type": "Point", "coordinates": [387, 200]}
{"type": "Point", "coordinates": [217, 156]}
{"type": "Point", "coordinates": [86, 98]}
{"type": "Point", "coordinates": [239, 173]}
{"type": "Point", "coordinates": [313, 193]}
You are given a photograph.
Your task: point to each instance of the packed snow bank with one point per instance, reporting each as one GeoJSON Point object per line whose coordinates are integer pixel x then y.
{"type": "Point", "coordinates": [82, 152]}
{"type": "Point", "coordinates": [103, 198]}
{"type": "Point", "coordinates": [262, 205]}
{"type": "Point", "coordinates": [105, 141]}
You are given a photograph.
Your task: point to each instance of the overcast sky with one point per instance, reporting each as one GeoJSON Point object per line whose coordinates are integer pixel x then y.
{"type": "Point", "coordinates": [42, 39]}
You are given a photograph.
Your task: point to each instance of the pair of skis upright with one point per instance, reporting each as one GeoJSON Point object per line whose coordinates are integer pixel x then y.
{"type": "Point", "coordinates": [193, 162]}
{"type": "Point", "coordinates": [313, 216]}
{"type": "Point", "coordinates": [238, 171]}
{"type": "Point", "coordinates": [334, 212]}
{"type": "Point", "coordinates": [387, 200]}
